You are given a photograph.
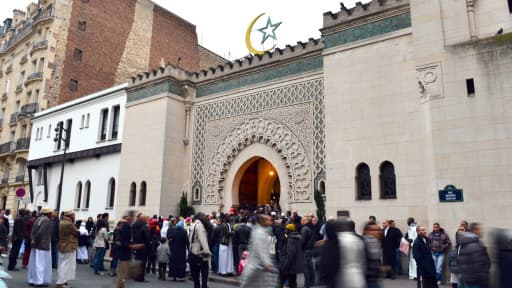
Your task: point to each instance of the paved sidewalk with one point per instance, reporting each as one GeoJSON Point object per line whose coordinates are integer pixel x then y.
{"type": "Point", "coordinates": [86, 278]}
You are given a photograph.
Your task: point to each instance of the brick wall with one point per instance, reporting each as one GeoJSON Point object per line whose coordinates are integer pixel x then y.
{"type": "Point", "coordinates": [111, 37]}
{"type": "Point", "coordinates": [173, 38]}
{"type": "Point", "coordinates": [102, 45]}
{"type": "Point", "coordinates": [209, 59]}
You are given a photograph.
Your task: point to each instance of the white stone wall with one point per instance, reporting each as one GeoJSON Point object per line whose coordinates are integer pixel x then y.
{"type": "Point", "coordinates": [153, 151]}
{"type": "Point", "coordinates": [98, 170]}
{"type": "Point", "coordinates": [81, 137]}
{"type": "Point", "coordinates": [373, 114]}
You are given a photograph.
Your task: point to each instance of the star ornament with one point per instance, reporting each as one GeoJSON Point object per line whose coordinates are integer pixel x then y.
{"type": "Point", "coordinates": [269, 31]}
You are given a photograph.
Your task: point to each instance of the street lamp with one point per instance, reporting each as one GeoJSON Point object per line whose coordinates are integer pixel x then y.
{"type": "Point", "coordinates": [59, 137]}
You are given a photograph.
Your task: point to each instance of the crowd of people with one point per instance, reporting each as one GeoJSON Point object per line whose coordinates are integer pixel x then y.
{"type": "Point", "coordinates": [266, 248]}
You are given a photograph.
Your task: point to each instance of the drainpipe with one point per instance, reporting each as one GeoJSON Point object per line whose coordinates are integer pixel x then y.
{"type": "Point", "coordinates": [470, 8]}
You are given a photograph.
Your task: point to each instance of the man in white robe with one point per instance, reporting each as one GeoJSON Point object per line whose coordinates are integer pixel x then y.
{"type": "Point", "coordinates": [40, 263]}
{"type": "Point", "coordinates": [68, 243]}
{"type": "Point", "coordinates": [226, 265]}
{"type": "Point", "coordinates": [410, 237]}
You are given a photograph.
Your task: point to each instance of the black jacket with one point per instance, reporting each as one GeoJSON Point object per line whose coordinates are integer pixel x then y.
{"type": "Point", "coordinates": [423, 257]}
{"type": "Point", "coordinates": [308, 237]}
{"type": "Point", "coordinates": [242, 234]}
{"type": "Point", "coordinates": [474, 263]}
{"type": "Point", "coordinates": [17, 229]}
{"type": "Point", "coordinates": [225, 233]}
{"type": "Point", "coordinates": [292, 257]}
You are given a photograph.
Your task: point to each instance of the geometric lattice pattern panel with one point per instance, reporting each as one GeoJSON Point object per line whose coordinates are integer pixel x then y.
{"type": "Point", "coordinates": [309, 92]}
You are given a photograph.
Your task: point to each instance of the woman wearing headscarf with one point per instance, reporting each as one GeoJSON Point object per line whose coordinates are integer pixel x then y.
{"type": "Point", "coordinates": [292, 260]}
{"type": "Point", "coordinates": [82, 255]}
{"type": "Point", "coordinates": [179, 247]}
{"type": "Point", "coordinates": [154, 241]}
{"type": "Point", "coordinates": [165, 227]}
{"type": "Point", "coordinates": [330, 259]}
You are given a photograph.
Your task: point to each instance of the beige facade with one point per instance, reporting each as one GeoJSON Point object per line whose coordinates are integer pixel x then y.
{"type": "Point", "coordinates": [53, 53]}
{"type": "Point", "coordinates": [395, 102]}
{"type": "Point", "coordinates": [26, 69]}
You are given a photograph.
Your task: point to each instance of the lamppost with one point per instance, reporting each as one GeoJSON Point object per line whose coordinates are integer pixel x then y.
{"type": "Point", "coordinates": [59, 137]}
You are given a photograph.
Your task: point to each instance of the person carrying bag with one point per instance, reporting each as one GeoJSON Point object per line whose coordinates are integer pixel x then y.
{"type": "Point", "coordinates": [199, 252]}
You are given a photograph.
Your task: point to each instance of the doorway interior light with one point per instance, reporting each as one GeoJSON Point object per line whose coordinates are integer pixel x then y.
{"type": "Point", "coordinates": [271, 173]}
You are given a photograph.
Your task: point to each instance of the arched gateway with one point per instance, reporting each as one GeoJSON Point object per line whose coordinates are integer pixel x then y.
{"type": "Point", "coordinates": [259, 138]}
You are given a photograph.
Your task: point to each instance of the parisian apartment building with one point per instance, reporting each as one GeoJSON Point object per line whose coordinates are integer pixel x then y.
{"type": "Point", "coordinates": [55, 51]}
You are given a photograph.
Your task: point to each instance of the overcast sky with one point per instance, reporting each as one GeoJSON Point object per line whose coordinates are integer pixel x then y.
{"type": "Point", "coordinates": [221, 24]}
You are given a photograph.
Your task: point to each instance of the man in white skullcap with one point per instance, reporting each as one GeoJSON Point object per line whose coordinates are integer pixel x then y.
{"type": "Point", "coordinates": [68, 243]}
{"type": "Point", "coordinates": [40, 263]}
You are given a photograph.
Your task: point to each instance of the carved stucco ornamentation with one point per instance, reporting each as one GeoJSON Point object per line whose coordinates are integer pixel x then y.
{"type": "Point", "coordinates": [298, 106]}
{"type": "Point", "coordinates": [430, 81]}
{"type": "Point", "coordinates": [273, 134]}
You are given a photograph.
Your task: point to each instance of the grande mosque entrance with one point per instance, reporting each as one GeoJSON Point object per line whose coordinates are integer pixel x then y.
{"type": "Point", "coordinates": [259, 184]}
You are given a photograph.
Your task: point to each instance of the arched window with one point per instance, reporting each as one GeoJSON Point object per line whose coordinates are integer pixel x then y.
{"type": "Point", "coordinates": [387, 180]}
{"type": "Point", "coordinates": [111, 195]}
{"type": "Point", "coordinates": [133, 192]}
{"type": "Point", "coordinates": [142, 194]}
{"type": "Point", "coordinates": [363, 182]}
{"type": "Point", "coordinates": [87, 195]}
{"type": "Point", "coordinates": [78, 199]}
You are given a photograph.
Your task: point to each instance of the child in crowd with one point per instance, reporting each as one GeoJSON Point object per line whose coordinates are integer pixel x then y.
{"type": "Point", "coordinates": [162, 254]}
{"type": "Point", "coordinates": [243, 262]}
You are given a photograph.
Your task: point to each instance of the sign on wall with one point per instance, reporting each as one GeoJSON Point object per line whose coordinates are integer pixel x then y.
{"type": "Point", "coordinates": [451, 194]}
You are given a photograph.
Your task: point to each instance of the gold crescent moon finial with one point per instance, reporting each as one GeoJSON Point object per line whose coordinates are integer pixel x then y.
{"type": "Point", "coordinates": [248, 38]}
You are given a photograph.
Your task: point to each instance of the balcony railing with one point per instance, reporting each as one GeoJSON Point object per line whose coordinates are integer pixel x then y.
{"type": "Point", "coordinates": [4, 96]}
{"type": "Point", "coordinates": [7, 147]}
{"type": "Point", "coordinates": [8, 69]}
{"type": "Point", "coordinates": [23, 59]}
{"type": "Point", "coordinates": [19, 88]}
{"type": "Point", "coordinates": [39, 45]}
{"type": "Point", "coordinates": [21, 33]}
{"type": "Point", "coordinates": [5, 180]}
{"type": "Point", "coordinates": [20, 178]}
{"type": "Point", "coordinates": [22, 144]}
{"type": "Point", "coordinates": [14, 118]}
{"type": "Point", "coordinates": [30, 108]}
{"type": "Point", "coordinates": [33, 77]}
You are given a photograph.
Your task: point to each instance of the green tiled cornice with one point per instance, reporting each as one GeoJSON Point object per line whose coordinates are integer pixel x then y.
{"type": "Point", "coordinates": [294, 68]}
{"type": "Point", "coordinates": [368, 30]}
{"type": "Point", "coordinates": [166, 86]}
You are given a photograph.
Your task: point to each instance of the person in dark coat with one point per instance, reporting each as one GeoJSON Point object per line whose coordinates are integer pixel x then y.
{"type": "Point", "coordinates": [170, 236]}
{"type": "Point", "coordinates": [503, 242]}
{"type": "Point", "coordinates": [141, 237]}
{"type": "Point", "coordinates": [215, 239]}
{"type": "Point", "coordinates": [390, 243]}
{"type": "Point", "coordinates": [28, 222]}
{"type": "Point", "coordinates": [280, 233]}
{"type": "Point", "coordinates": [474, 263]}
{"type": "Point", "coordinates": [154, 242]}
{"type": "Point", "coordinates": [423, 256]}
{"type": "Point", "coordinates": [242, 236]}
{"type": "Point", "coordinates": [179, 247]}
{"type": "Point", "coordinates": [372, 235]}
{"type": "Point", "coordinates": [17, 239]}
{"type": "Point", "coordinates": [3, 236]}
{"type": "Point", "coordinates": [54, 226]}
{"type": "Point", "coordinates": [330, 256]}
{"type": "Point", "coordinates": [292, 258]}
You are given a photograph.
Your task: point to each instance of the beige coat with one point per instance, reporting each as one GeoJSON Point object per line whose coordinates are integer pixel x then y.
{"type": "Point", "coordinates": [101, 237]}
{"type": "Point", "coordinates": [68, 236]}
{"type": "Point", "coordinates": [198, 238]}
